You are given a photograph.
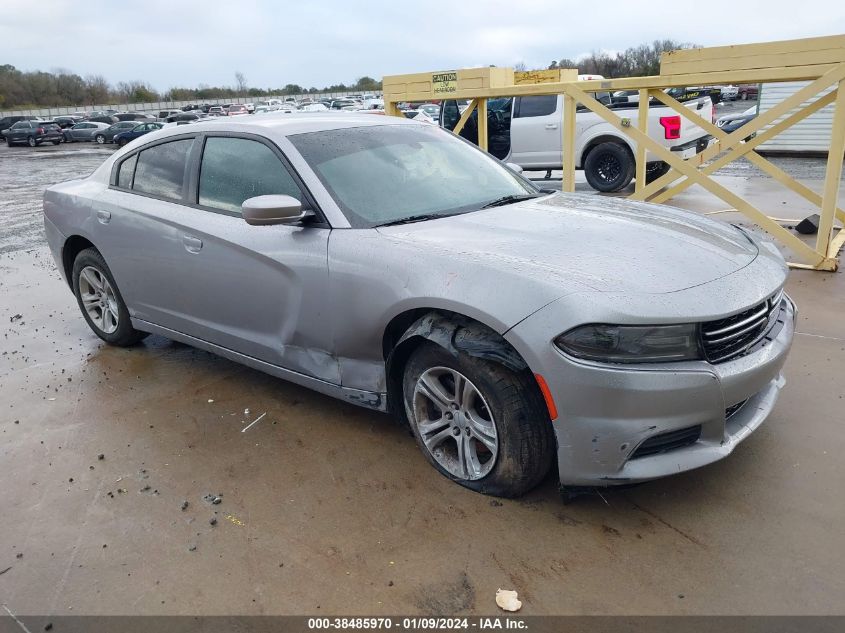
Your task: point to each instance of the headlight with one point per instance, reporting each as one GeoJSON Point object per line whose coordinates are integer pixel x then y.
{"type": "Point", "coordinates": [632, 343]}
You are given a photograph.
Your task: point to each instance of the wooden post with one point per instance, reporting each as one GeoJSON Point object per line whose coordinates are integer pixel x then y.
{"type": "Point", "coordinates": [568, 143]}
{"type": "Point", "coordinates": [833, 173]}
{"type": "Point", "coordinates": [482, 123]}
{"type": "Point", "coordinates": [642, 125]}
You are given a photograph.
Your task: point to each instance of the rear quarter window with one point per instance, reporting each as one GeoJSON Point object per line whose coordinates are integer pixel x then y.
{"type": "Point", "coordinates": [160, 170]}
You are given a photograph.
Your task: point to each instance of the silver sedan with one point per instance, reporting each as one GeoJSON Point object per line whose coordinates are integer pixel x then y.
{"type": "Point", "coordinates": [84, 131]}
{"type": "Point", "coordinates": [393, 265]}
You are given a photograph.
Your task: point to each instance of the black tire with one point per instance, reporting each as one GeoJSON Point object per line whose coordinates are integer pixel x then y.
{"type": "Point", "coordinates": [743, 96]}
{"type": "Point", "coordinates": [609, 167]}
{"type": "Point", "coordinates": [122, 142]}
{"type": "Point", "coordinates": [525, 437]}
{"type": "Point", "coordinates": [56, 142]}
{"type": "Point", "coordinates": [124, 335]}
{"type": "Point", "coordinates": [9, 143]}
{"type": "Point", "coordinates": [30, 140]}
{"type": "Point", "coordinates": [653, 171]}
{"type": "Point", "coordinates": [100, 139]}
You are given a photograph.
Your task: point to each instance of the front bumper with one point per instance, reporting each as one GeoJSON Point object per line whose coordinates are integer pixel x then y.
{"type": "Point", "coordinates": [608, 412]}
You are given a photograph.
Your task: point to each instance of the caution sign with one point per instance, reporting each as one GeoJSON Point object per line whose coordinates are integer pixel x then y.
{"type": "Point", "coordinates": [444, 83]}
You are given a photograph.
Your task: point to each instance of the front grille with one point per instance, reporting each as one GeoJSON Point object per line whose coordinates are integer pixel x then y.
{"type": "Point", "coordinates": [732, 336]}
{"type": "Point", "coordinates": [668, 442]}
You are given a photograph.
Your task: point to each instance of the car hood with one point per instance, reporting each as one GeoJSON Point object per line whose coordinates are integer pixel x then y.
{"type": "Point", "coordinates": [587, 242]}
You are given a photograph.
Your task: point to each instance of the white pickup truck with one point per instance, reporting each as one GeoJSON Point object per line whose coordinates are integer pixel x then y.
{"type": "Point", "coordinates": [527, 131]}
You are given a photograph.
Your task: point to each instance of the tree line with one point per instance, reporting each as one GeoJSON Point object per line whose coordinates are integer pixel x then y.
{"type": "Point", "coordinates": [637, 61]}
{"type": "Point", "coordinates": [64, 88]}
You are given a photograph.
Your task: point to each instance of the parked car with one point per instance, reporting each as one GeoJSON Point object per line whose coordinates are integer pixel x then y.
{"type": "Point", "coordinates": [749, 91]}
{"type": "Point", "coordinates": [33, 133]}
{"type": "Point", "coordinates": [216, 111]}
{"type": "Point", "coordinates": [109, 119]}
{"type": "Point", "coordinates": [134, 116]}
{"type": "Point", "coordinates": [250, 107]}
{"type": "Point", "coordinates": [526, 131]}
{"type": "Point", "coordinates": [343, 104]}
{"type": "Point", "coordinates": [732, 122]}
{"type": "Point", "coordinates": [510, 328]}
{"type": "Point", "coordinates": [123, 138]}
{"type": "Point", "coordinates": [237, 108]}
{"type": "Point", "coordinates": [84, 131]}
{"type": "Point", "coordinates": [186, 117]}
{"type": "Point", "coordinates": [163, 114]}
{"type": "Point", "coordinates": [8, 121]}
{"type": "Point", "coordinates": [431, 109]}
{"type": "Point", "coordinates": [190, 107]}
{"type": "Point", "coordinates": [729, 93]}
{"type": "Point", "coordinates": [65, 122]}
{"type": "Point", "coordinates": [107, 135]}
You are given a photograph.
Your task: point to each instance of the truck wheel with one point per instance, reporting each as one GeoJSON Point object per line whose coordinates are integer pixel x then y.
{"type": "Point", "coordinates": [653, 171]}
{"type": "Point", "coordinates": [609, 167]}
{"type": "Point", "coordinates": [477, 422]}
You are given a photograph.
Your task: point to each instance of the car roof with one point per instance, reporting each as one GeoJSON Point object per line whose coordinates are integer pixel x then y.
{"type": "Point", "coordinates": [297, 123]}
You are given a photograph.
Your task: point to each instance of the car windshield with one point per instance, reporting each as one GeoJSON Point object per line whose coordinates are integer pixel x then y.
{"type": "Point", "coordinates": [385, 173]}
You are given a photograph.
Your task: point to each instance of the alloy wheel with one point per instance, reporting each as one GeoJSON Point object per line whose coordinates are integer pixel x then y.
{"type": "Point", "coordinates": [455, 424]}
{"type": "Point", "coordinates": [609, 168]}
{"type": "Point", "coordinates": [98, 299]}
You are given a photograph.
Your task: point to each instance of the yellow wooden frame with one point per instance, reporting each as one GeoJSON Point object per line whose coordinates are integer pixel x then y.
{"type": "Point", "coordinates": [821, 61]}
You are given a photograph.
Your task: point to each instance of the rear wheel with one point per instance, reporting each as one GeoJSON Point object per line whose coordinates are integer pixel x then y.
{"type": "Point", "coordinates": [100, 300]}
{"type": "Point", "coordinates": [31, 141]}
{"type": "Point", "coordinates": [56, 142]}
{"type": "Point", "coordinates": [477, 422]}
{"type": "Point", "coordinates": [122, 142]}
{"type": "Point", "coordinates": [100, 139]}
{"type": "Point", "coordinates": [609, 167]}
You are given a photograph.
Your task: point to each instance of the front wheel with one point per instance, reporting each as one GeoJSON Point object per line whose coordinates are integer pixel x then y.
{"type": "Point", "coordinates": [31, 141]}
{"type": "Point", "coordinates": [609, 167]}
{"type": "Point", "coordinates": [56, 142]}
{"type": "Point", "coordinates": [100, 139]}
{"type": "Point", "coordinates": [478, 423]}
{"type": "Point", "coordinates": [100, 300]}
{"type": "Point", "coordinates": [122, 142]}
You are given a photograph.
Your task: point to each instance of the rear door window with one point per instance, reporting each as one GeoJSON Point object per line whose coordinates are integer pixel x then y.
{"type": "Point", "coordinates": [161, 169]}
{"type": "Point", "coordinates": [540, 105]}
{"type": "Point", "coordinates": [235, 169]}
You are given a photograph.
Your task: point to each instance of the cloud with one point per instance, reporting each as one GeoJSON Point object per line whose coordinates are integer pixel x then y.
{"type": "Point", "coordinates": [192, 42]}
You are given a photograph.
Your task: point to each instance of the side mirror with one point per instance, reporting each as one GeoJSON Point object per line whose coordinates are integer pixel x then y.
{"type": "Point", "coordinates": [274, 209]}
{"type": "Point", "coordinates": [514, 167]}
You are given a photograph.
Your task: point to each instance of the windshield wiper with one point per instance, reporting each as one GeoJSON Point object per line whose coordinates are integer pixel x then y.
{"type": "Point", "coordinates": [414, 218]}
{"type": "Point", "coordinates": [510, 199]}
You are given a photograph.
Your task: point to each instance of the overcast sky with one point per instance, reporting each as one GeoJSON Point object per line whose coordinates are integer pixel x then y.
{"type": "Point", "coordinates": [169, 43]}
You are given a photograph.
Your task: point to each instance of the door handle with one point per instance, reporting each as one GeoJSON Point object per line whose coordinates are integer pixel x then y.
{"type": "Point", "coordinates": [192, 244]}
{"type": "Point", "coordinates": [103, 217]}
{"type": "Point", "coordinates": [551, 126]}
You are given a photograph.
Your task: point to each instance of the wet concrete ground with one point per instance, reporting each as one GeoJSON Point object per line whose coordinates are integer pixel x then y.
{"type": "Point", "coordinates": [326, 508]}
